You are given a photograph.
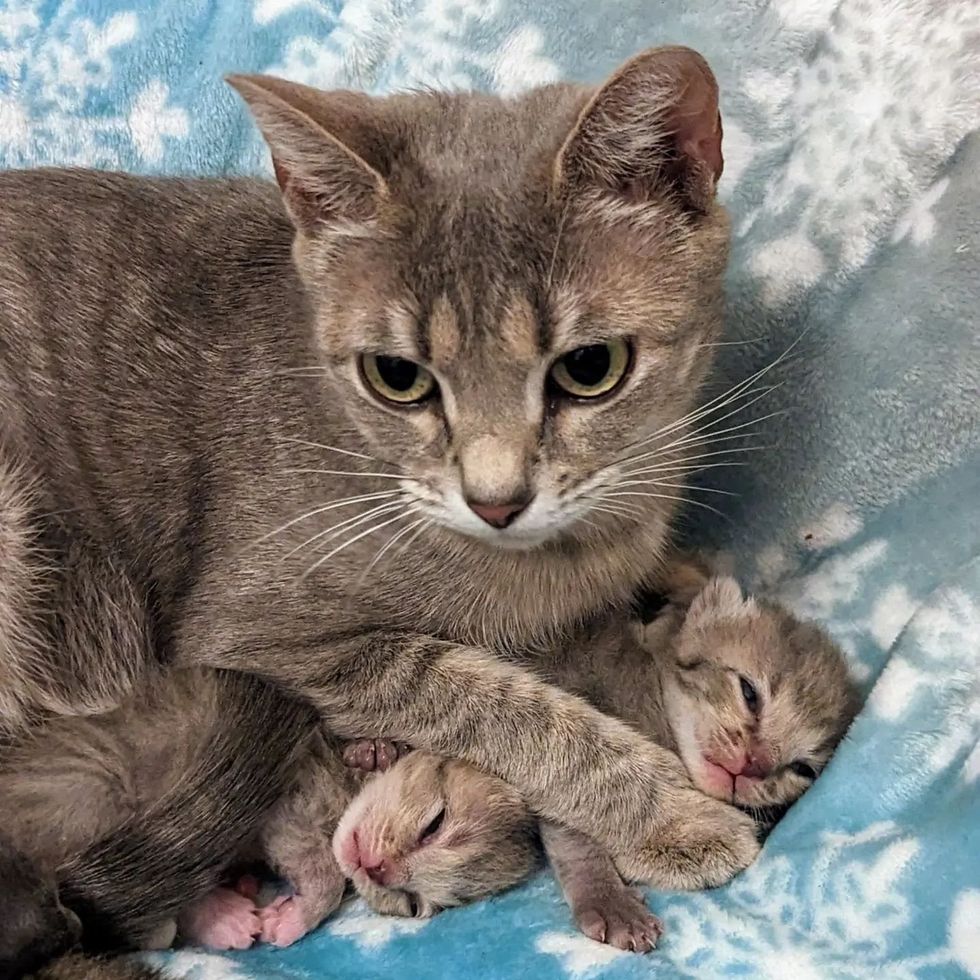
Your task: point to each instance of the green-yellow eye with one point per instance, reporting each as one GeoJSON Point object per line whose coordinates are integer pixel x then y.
{"type": "Point", "coordinates": [589, 372]}
{"type": "Point", "coordinates": [397, 380]}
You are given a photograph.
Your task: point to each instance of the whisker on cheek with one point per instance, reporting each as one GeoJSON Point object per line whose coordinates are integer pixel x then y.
{"type": "Point", "coordinates": [352, 522]}
{"type": "Point", "coordinates": [357, 537]}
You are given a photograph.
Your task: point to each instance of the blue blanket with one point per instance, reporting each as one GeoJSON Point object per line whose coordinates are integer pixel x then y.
{"type": "Point", "coordinates": [849, 146]}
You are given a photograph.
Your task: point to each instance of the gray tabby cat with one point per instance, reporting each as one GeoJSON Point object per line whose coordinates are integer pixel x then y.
{"type": "Point", "coordinates": [382, 444]}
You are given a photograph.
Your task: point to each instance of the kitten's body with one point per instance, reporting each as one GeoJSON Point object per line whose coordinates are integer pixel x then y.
{"type": "Point", "coordinates": [433, 832]}
{"type": "Point", "coordinates": [682, 681]}
{"type": "Point", "coordinates": [181, 375]}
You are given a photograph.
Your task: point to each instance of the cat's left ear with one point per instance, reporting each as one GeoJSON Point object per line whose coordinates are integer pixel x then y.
{"type": "Point", "coordinates": [320, 144]}
{"type": "Point", "coordinates": [653, 126]}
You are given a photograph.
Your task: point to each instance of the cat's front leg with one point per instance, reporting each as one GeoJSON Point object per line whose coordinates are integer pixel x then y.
{"type": "Point", "coordinates": [570, 762]}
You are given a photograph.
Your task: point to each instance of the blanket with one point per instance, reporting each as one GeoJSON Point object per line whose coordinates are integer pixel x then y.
{"type": "Point", "coordinates": [850, 144]}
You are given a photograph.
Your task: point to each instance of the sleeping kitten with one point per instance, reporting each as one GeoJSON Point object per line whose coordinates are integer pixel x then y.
{"type": "Point", "coordinates": [434, 832]}
{"type": "Point", "coordinates": [754, 700]}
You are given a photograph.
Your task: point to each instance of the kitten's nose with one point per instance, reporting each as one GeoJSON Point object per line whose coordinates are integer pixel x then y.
{"type": "Point", "coordinates": [378, 873]}
{"type": "Point", "coordinates": [498, 515]}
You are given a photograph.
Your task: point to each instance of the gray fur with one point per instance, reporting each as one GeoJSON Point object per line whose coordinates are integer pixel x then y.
{"type": "Point", "coordinates": [178, 383]}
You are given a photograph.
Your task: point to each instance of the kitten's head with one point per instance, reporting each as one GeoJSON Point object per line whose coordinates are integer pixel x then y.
{"type": "Point", "coordinates": [757, 700]}
{"type": "Point", "coordinates": [431, 833]}
{"type": "Point", "coordinates": [510, 294]}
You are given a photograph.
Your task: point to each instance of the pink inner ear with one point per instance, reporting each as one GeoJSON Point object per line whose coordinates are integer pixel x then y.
{"type": "Point", "coordinates": [706, 149]}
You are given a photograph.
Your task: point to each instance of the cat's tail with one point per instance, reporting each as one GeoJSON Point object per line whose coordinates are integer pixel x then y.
{"type": "Point", "coordinates": [128, 886]}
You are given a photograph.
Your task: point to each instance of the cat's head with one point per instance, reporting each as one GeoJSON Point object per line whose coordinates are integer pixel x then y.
{"type": "Point", "coordinates": [510, 295]}
{"type": "Point", "coordinates": [757, 699]}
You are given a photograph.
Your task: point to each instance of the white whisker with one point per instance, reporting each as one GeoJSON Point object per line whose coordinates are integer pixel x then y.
{"type": "Point", "coordinates": [380, 476]}
{"type": "Point", "coordinates": [348, 524]}
{"type": "Point", "coordinates": [663, 496]}
{"type": "Point", "coordinates": [427, 523]}
{"type": "Point", "coordinates": [726, 397]}
{"type": "Point", "coordinates": [332, 449]}
{"type": "Point", "coordinates": [677, 455]}
{"type": "Point", "coordinates": [388, 544]}
{"type": "Point", "coordinates": [674, 486]}
{"type": "Point", "coordinates": [357, 537]}
{"type": "Point", "coordinates": [333, 504]}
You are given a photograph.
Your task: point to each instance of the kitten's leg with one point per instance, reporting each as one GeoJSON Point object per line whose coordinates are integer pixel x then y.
{"type": "Point", "coordinates": [603, 906]}
{"type": "Point", "coordinates": [222, 919]}
{"type": "Point", "coordinates": [570, 762]}
{"type": "Point", "coordinates": [297, 843]}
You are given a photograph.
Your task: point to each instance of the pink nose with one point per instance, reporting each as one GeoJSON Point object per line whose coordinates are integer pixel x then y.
{"type": "Point", "coordinates": [377, 872]}
{"type": "Point", "coordinates": [498, 515]}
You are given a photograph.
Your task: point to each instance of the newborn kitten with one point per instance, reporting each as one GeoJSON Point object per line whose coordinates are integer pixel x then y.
{"type": "Point", "coordinates": [754, 701]}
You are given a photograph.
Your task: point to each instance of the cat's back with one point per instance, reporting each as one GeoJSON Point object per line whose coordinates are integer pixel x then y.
{"type": "Point", "coordinates": [38, 202]}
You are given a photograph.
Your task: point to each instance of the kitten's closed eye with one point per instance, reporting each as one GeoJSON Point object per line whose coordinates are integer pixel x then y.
{"type": "Point", "coordinates": [803, 769]}
{"type": "Point", "coordinates": [750, 694]}
{"type": "Point", "coordinates": [433, 826]}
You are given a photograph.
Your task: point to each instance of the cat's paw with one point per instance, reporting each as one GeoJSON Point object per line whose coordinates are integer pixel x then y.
{"type": "Point", "coordinates": [373, 754]}
{"type": "Point", "coordinates": [223, 919]}
{"type": "Point", "coordinates": [284, 920]}
{"type": "Point", "coordinates": [704, 844]}
{"type": "Point", "coordinates": [619, 918]}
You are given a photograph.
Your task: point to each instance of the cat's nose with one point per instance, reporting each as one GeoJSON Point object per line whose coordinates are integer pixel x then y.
{"type": "Point", "coordinates": [498, 515]}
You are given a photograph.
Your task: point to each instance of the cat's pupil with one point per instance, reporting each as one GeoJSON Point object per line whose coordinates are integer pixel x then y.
{"type": "Point", "coordinates": [588, 366]}
{"type": "Point", "coordinates": [396, 372]}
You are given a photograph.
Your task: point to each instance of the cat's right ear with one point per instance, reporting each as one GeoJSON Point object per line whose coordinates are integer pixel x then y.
{"type": "Point", "coordinates": [323, 178]}
{"type": "Point", "coordinates": [653, 127]}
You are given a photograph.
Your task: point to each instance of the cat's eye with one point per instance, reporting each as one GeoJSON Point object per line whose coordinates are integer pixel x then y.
{"type": "Point", "coordinates": [592, 371]}
{"type": "Point", "coordinates": [397, 380]}
{"type": "Point", "coordinates": [432, 827]}
{"type": "Point", "coordinates": [750, 695]}
{"type": "Point", "coordinates": [803, 769]}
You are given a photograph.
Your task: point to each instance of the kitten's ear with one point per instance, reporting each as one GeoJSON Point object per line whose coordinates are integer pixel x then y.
{"type": "Point", "coordinates": [654, 124]}
{"type": "Point", "coordinates": [720, 599]}
{"type": "Point", "coordinates": [317, 141]}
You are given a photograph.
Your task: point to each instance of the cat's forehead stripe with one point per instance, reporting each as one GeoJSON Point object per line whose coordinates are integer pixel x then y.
{"type": "Point", "coordinates": [442, 332]}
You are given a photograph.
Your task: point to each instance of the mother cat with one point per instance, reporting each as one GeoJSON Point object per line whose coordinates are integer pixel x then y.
{"type": "Point", "coordinates": [386, 443]}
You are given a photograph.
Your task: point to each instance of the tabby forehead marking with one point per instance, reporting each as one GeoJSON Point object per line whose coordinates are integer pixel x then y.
{"type": "Point", "coordinates": [444, 340]}
{"type": "Point", "coordinates": [518, 329]}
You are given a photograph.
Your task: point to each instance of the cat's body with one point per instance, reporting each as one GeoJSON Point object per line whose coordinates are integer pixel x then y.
{"type": "Point", "coordinates": [503, 309]}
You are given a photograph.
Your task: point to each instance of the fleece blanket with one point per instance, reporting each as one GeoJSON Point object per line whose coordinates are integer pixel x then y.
{"type": "Point", "coordinates": [850, 145]}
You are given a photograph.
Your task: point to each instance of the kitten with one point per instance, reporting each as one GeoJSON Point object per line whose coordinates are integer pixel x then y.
{"type": "Point", "coordinates": [754, 700]}
{"type": "Point", "coordinates": [363, 433]}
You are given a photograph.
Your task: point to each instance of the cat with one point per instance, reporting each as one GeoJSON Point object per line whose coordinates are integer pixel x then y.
{"type": "Point", "coordinates": [753, 700]}
{"type": "Point", "coordinates": [477, 324]}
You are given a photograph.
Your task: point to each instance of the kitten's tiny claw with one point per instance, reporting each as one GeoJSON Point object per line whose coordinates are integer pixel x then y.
{"type": "Point", "coordinates": [223, 919]}
{"type": "Point", "coordinates": [283, 921]}
{"type": "Point", "coordinates": [373, 754]}
{"type": "Point", "coordinates": [620, 919]}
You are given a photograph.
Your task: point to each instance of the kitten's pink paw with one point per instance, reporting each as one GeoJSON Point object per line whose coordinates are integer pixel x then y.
{"type": "Point", "coordinates": [620, 919]}
{"type": "Point", "coordinates": [373, 754]}
{"type": "Point", "coordinates": [283, 921]}
{"type": "Point", "coordinates": [223, 919]}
